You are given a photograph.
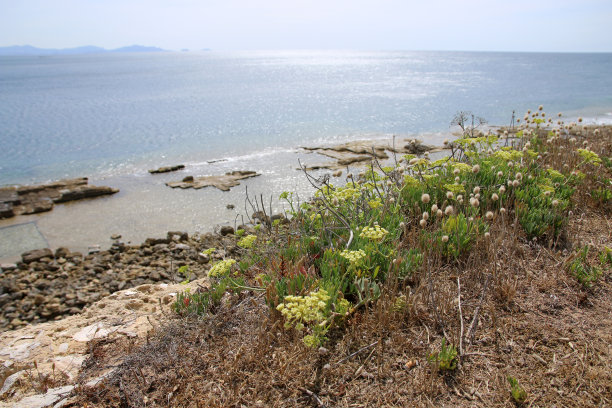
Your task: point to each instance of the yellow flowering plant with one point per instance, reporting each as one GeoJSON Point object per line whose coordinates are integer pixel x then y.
{"type": "Point", "coordinates": [247, 241]}
{"type": "Point", "coordinates": [375, 233]}
{"type": "Point", "coordinates": [221, 268]}
{"type": "Point", "coordinates": [301, 310]}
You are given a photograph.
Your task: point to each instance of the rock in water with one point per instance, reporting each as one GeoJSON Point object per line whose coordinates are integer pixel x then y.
{"type": "Point", "coordinates": [41, 197]}
{"type": "Point", "coordinates": [167, 169]}
{"type": "Point", "coordinates": [223, 183]}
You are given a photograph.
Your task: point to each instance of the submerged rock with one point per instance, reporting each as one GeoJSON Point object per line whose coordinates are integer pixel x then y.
{"type": "Point", "coordinates": [167, 169]}
{"type": "Point", "coordinates": [223, 183]}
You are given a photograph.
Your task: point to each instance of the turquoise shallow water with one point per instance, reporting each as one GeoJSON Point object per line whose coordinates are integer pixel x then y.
{"type": "Point", "coordinates": [112, 117]}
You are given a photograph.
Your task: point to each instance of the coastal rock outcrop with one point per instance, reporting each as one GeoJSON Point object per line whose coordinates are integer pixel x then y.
{"type": "Point", "coordinates": [55, 306]}
{"type": "Point", "coordinates": [47, 285]}
{"type": "Point", "coordinates": [223, 183]}
{"type": "Point", "coordinates": [364, 151]}
{"type": "Point", "coordinates": [53, 353]}
{"type": "Point", "coordinates": [167, 169]}
{"type": "Point", "coordinates": [38, 198]}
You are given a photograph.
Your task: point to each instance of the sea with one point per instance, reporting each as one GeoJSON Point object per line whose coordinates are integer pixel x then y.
{"type": "Point", "coordinates": [112, 117]}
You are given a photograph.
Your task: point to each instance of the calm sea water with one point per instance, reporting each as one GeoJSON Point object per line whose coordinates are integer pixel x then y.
{"type": "Point", "coordinates": [112, 117]}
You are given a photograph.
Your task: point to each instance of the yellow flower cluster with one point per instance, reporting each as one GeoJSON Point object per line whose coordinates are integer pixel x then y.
{"type": "Point", "coordinates": [312, 341]}
{"type": "Point", "coordinates": [455, 188]}
{"type": "Point", "coordinates": [298, 310]}
{"type": "Point", "coordinates": [247, 242]}
{"type": "Point", "coordinates": [347, 194]}
{"type": "Point", "coordinates": [589, 157]}
{"type": "Point", "coordinates": [375, 233]}
{"type": "Point", "coordinates": [508, 154]}
{"type": "Point", "coordinates": [221, 268]}
{"type": "Point", "coordinates": [354, 257]}
{"type": "Point", "coordinates": [209, 251]}
{"type": "Point", "coordinates": [343, 306]}
{"type": "Point", "coordinates": [374, 204]}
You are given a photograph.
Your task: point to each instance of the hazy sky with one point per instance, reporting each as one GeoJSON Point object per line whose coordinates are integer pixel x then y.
{"type": "Point", "coordinates": [502, 25]}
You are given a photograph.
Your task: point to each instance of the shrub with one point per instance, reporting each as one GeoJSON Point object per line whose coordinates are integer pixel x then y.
{"type": "Point", "coordinates": [584, 273]}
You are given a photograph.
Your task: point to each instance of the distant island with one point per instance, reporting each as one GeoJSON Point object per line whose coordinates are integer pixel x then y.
{"type": "Point", "coordinates": [24, 50]}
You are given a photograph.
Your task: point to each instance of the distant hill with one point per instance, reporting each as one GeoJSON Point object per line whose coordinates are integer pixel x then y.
{"type": "Point", "coordinates": [137, 48]}
{"type": "Point", "coordinates": [17, 50]}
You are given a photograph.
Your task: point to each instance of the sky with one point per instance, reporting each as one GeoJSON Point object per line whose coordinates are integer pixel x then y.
{"type": "Point", "coordinates": [475, 25]}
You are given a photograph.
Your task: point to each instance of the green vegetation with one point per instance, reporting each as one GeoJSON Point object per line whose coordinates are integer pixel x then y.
{"type": "Point", "coordinates": [519, 395]}
{"type": "Point", "coordinates": [420, 281]}
{"type": "Point", "coordinates": [445, 359]}
{"type": "Point", "coordinates": [392, 224]}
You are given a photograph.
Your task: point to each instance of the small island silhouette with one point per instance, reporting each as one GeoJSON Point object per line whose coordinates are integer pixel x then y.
{"type": "Point", "coordinates": [24, 50]}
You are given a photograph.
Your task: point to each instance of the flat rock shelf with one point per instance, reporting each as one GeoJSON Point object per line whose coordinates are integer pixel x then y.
{"type": "Point", "coordinates": [19, 200]}
{"type": "Point", "coordinates": [223, 183]}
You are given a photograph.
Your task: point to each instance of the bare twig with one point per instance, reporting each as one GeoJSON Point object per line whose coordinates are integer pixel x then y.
{"type": "Point", "coordinates": [460, 316]}
{"type": "Point", "coordinates": [474, 323]}
{"type": "Point", "coordinates": [314, 397]}
{"type": "Point", "coordinates": [329, 207]}
{"type": "Point", "coordinates": [357, 352]}
{"type": "Point", "coordinates": [266, 219]}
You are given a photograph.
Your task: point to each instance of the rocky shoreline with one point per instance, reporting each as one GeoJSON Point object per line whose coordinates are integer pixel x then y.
{"type": "Point", "coordinates": [47, 285]}
{"type": "Point", "coordinates": [23, 200]}
{"type": "Point", "coordinates": [362, 152]}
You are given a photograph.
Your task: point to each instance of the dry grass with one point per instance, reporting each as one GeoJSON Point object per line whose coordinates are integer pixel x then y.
{"type": "Point", "coordinates": [517, 312]}
{"type": "Point", "coordinates": [536, 323]}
